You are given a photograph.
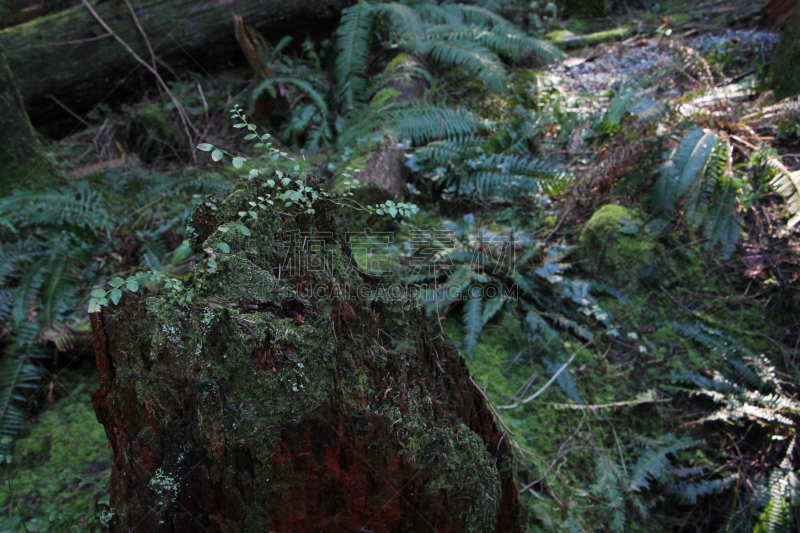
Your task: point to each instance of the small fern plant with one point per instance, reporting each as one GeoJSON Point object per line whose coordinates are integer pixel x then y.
{"type": "Point", "coordinates": [698, 174]}
{"type": "Point", "coordinates": [753, 395]}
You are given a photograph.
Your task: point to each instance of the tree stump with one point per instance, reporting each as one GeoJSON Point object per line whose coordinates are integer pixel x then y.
{"type": "Point", "coordinates": [296, 394]}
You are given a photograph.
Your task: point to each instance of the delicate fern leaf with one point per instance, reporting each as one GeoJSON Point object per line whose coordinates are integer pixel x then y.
{"type": "Point", "coordinates": [491, 308]}
{"type": "Point", "coordinates": [782, 488]}
{"type": "Point", "coordinates": [476, 59]}
{"type": "Point", "coordinates": [441, 153]}
{"type": "Point", "coordinates": [654, 461]}
{"type": "Point", "coordinates": [682, 167]}
{"type": "Point", "coordinates": [419, 124]}
{"type": "Point", "coordinates": [352, 47]}
{"type": "Point", "coordinates": [473, 323]}
{"type": "Point", "coordinates": [59, 283]}
{"type": "Point", "coordinates": [787, 184]}
{"type": "Point", "coordinates": [304, 87]}
{"type": "Point", "coordinates": [619, 104]}
{"type": "Point", "coordinates": [500, 173]}
{"type": "Point", "coordinates": [651, 113]}
{"type": "Point", "coordinates": [481, 16]}
{"type": "Point", "coordinates": [723, 222]}
{"type": "Point", "coordinates": [687, 493]}
{"type": "Point", "coordinates": [16, 372]}
{"type": "Point", "coordinates": [404, 25]}
{"type": "Point", "coordinates": [29, 287]}
{"type": "Point", "coordinates": [441, 14]}
{"type": "Point", "coordinates": [698, 196]}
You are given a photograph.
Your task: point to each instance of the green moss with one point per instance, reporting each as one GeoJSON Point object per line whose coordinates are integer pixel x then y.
{"type": "Point", "coordinates": [624, 259]}
{"type": "Point", "coordinates": [567, 39]}
{"type": "Point", "coordinates": [59, 472]}
{"type": "Point", "coordinates": [465, 472]}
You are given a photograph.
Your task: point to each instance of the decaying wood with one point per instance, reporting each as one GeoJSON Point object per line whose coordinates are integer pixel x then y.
{"type": "Point", "coordinates": [292, 397]}
{"type": "Point", "coordinates": [69, 55]}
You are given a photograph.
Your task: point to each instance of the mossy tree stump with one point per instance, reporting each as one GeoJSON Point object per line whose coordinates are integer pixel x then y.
{"type": "Point", "coordinates": [298, 394]}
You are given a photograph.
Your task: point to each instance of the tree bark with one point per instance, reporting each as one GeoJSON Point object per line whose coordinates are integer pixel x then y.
{"type": "Point", "coordinates": [298, 394]}
{"type": "Point", "coordinates": [786, 61]}
{"type": "Point", "coordinates": [69, 55]}
{"type": "Point", "coordinates": [13, 12]}
{"type": "Point", "coordinates": [24, 163]}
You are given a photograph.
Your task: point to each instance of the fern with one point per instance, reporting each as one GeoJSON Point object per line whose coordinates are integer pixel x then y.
{"type": "Point", "coordinates": [403, 24]}
{"type": "Point", "coordinates": [304, 87]}
{"type": "Point", "coordinates": [352, 47]}
{"type": "Point", "coordinates": [476, 59]}
{"type": "Point", "coordinates": [698, 170]}
{"type": "Point", "coordinates": [420, 124]}
{"type": "Point", "coordinates": [787, 184]}
{"type": "Point", "coordinates": [782, 491]}
{"type": "Point", "coordinates": [16, 373]}
{"type": "Point", "coordinates": [686, 164]}
{"type": "Point", "coordinates": [498, 173]}
{"type": "Point", "coordinates": [473, 322]}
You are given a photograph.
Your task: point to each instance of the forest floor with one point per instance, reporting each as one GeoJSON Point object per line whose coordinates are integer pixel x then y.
{"type": "Point", "coordinates": [647, 370]}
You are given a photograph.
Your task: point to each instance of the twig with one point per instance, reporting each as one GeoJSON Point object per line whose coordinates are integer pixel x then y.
{"type": "Point", "coordinates": [178, 106]}
{"type": "Point", "coordinates": [492, 408]}
{"type": "Point", "coordinates": [144, 35]}
{"type": "Point", "coordinates": [555, 376]}
{"type": "Point", "coordinates": [68, 110]}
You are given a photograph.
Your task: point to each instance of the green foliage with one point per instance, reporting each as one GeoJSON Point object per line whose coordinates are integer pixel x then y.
{"type": "Point", "coordinates": [698, 171]}
{"type": "Point", "coordinates": [623, 489]}
{"type": "Point", "coordinates": [755, 395]}
{"type": "Point", "coordinates": [54, 248]}
{"type": "Point", "coordinates": [479, 270]}
{"type": "Point", "coordinates": [450, 35]}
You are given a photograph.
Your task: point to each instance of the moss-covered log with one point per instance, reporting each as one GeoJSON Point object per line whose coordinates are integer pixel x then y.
{"type": "Point", "coordinates": [23, 163]}
{"type": "Point", "coordinates": [13, 12]}
{"type": "Point", "coordinates": [297, 394]}
{"type": "Point", "coordinates": [69, 55]}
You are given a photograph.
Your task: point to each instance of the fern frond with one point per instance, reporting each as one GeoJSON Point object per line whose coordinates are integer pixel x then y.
{"type": "Point", "coordinates": [684, 165]}
{"type": "Point", "coordinates": [699, 193]}
{"type": "Point", "coordinates": [352, 47]}
{"type": "Point", "coordinates": [621, 102]}
{"type": "Point", "coordinates": [82, 208]}
{"type": "Point", "coordinates": [419, 124]}
{"type": "Point", "coordinates": [723, 222]}
{"type": "Point", "coordinates": [787, 184]}
{"type": "Point", "coordinates": [499, 174]}
{"type": "Point", "coordinates": [473, 324]}
{"type": "Point", "coordinates": [441, 14]}
{"type": "Point", "coordinates": [506, 41]}
{"type": "Point", "coordinates": [476, 59]}
{"type": "Point", "coordinates": [16, 372]}
{"type": "Point", "coordinates": [403, 24]}
{"type": "Point", "coordinates": [304, 87]}
{"type": "Point", "coordinates": [782, 490]}
{"type": "Point", "coordinates": [481, 16]}
{"type": "Point", "coordinates": [653, 462]}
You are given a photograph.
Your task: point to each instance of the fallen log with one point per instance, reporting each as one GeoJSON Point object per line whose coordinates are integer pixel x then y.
{"type": "Point", "coordinates": [71, 56]}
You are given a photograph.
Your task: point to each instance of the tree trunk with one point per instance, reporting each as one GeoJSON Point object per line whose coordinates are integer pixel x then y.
{"type": "Point", "coordinates": [24, 163]}
{"type": "Point", "coordinates": [69, 55]}
{"type": "Point", "coordinates": [786, 61]}
{"type": "Point", "coordinates": [296, 394]}
{"type": "Point", "coordinates": [13, 12]}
